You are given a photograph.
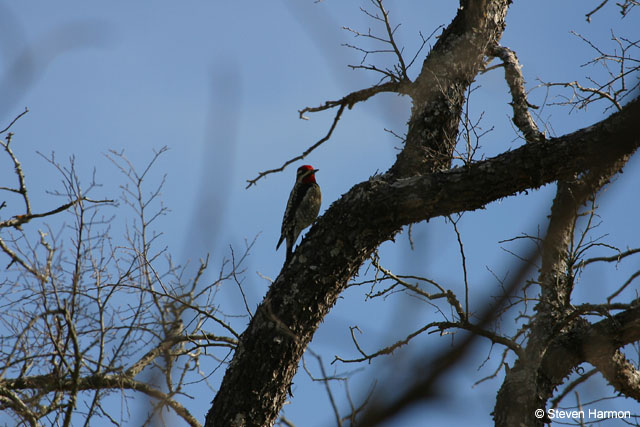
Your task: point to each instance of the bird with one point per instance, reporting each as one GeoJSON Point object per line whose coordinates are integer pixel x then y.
{"type": "Point", "coordinates": [302, 207]}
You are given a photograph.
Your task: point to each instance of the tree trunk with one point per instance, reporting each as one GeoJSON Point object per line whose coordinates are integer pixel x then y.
{"type": "Point", "coordinates": [418, 186]}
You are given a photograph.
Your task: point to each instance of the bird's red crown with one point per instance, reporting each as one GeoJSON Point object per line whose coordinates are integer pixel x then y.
{"type": "Point", "coordinates": [310, 177]}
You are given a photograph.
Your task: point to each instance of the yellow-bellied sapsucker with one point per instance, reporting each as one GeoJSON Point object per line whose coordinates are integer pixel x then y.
{"type": "Point", "coordinates": [302, 208]}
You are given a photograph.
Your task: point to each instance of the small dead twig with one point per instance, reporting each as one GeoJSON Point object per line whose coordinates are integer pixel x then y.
{"type": "Point", "coordinates": [26, 110]}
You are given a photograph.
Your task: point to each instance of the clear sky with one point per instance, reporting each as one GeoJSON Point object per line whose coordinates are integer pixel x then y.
{"type": "Point", "coordinates": [221, 83]}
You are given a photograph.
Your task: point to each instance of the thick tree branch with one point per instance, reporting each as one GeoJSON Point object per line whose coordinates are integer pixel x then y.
{"type": "Point", "coordinates": [11, 399]}
{"type": "Point", "coordinates": [419, 186]}
{"type": "Point", "coordinates": [97, 382]}
{"type": "Point", "coordinates": [513, 74]}
{"type": "Point", "coordinates": [418, 198]}
{"type": "Point", "coordinates": [354, 226]}
{"type": "Point", "coordinates": [596, 344]}
{"type": "Point", "coordinates": [526, 383]}
{"type": "Point", "coordinates": [439, 92]}
{"type": "Point", "coordinates": [620, 373]}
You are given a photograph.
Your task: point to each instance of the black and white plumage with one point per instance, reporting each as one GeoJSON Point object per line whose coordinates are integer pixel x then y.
{"type": "Point", "coordinates": [302, 208]}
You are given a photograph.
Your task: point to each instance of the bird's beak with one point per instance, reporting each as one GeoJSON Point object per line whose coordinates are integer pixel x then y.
{"type": "Point", "coordinates": [315, 170]}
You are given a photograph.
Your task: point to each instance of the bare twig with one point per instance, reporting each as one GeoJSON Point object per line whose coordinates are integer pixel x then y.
{"type": "Point", "coordinates": [616, 89]}
{"type": "Point", "coordinates": [20, 220]}
{"type": "Point", "coordinates": [625, 6]}
{"type": "Point", "coordinates": [26, 110]}
{"type": "Point", "coordinates": [464, 265]}
{"type": "Point", "coordinates": [101, 313]}
{"type": "Point", "coordinates": [325, 380]}
{"type": "Point", "coordinates": [304, 154]}
{"type": "Point", "coordinates": [571, 386]}
{"type": "Point", "coordinates": [588, 15]}
{"type": "Point", "coordinates": [614, 258]}
{"type": "Point", "coordinates": [439, 364]}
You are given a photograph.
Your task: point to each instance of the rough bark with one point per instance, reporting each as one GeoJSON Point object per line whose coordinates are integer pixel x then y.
{"type": "Point", "coordinates": [594, 343]}
{"type": "Point", "coordinates": [258, 378]}
{"type": "Point", "coordinates": [528, 386]}
{"type": "Point", "coordinates": [597, 344]}
{"type": "Point", "coordinates": [439, 91]}
{"type": "Point", "coordinates": [417, 187]}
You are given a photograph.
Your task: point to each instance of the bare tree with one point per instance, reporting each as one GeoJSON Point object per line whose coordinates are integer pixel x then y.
{"type": "Point", "coordinates": [422, 184]}
{"type": "Point", "coordinates": [95, 308]}
{"type": "Point", "coordinates": [88, 316]}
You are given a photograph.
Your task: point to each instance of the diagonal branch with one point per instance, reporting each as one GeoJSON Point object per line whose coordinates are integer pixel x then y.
{"type": "Point", "coordinates": [433, 368]}
{"type": "Point", "coordinates": [346, 102]}
{"type": "Point", "coordinates": [369, 214]}
{"type": "Point", "coordinates": [418, 198]}
{"type": "Point", "coordinates": [169, 342]}
{"type": "Point", "coordinates": [15, 402]}
{"type": "Point", "coordinates": [391, 41]}
{"type": "Point", "coordinates": [414, 189]}
{"type": "Point", "coordinates": [513, 75]}
{"type": "Point", "coordinates": [620, 373]}
{"type": "Point", "coordinates": [597, 343]}
{"type": "Point", "coordinates": [26, 110]}
{"type": "Point", "coordinates": [398, 73]}
{"type": "Point", "coordinates": [19, 220]}
{"type": "Point", "coordinates": [18, 169]}
{"type": "Point", "coordinates": [301, 156]}
{"type": "Point", "coordinates": [359, 96]}
{"type": "Point", "coordinates": [97, 382]}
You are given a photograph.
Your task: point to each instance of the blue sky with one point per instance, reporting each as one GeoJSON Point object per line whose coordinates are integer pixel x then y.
{"type": "Point", "coordinates": [220, 84]}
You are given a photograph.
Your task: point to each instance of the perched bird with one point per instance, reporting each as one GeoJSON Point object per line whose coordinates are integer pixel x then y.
{"type": "Point", "coordinates": [302, 208]}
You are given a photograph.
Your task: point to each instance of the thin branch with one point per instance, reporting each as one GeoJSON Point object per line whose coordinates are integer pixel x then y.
{"type": "Point", "coordinates": [19, 220]}
{"type": "Point", "coordinates": [498, 369]}
{"type": "Point", "coordinates": [571, 386]}
{"type": "Point", "coordinates": [614, 258]}
{"type": "Point", "coordinates": [15, 258]}
{"type": "Point", "coordinates": [285, 421]}
{"type": "Point", "coordinates": [624, 286]}
{"type": "Point", "coordinates": [588, 15]}
{"type": "Point", "coordinates": [301, 156]}
{"type": "Point", "coordinates": [392, 42]}
{"type": "Point", "coordinates": [346, 102]}
{"type": "Point", "coordinates": [387, 350]}
{"type": "Point", "coordinates": [18, 169]}
{"type": "Point", "coordinates": [438, 365]}
{"type": "Point", "coordinates": [20, 407]}
{"type": "Point", "coordinates": [581, 101]}
{"type": "Point", "coordinates": [424, 42]}
{"type": "Point", "coordinates": [96, 382]}
{"type": "Point", "coordinates": [464, 265]}
{"type": "Point", "coordinates": [26, 110]}
{"type": "Point", "coordinates": [325, 380]}
{"type": "Point", "coordinates": [358, 96]}
{"type": "Point", "coordinates": [448, 294]}
{"type": "Point", "coordinates": [615, 90]}
{"type": "Point", "coordinates": [355, 411]}
{"type": "Point", "coordinates": [438, 326]}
